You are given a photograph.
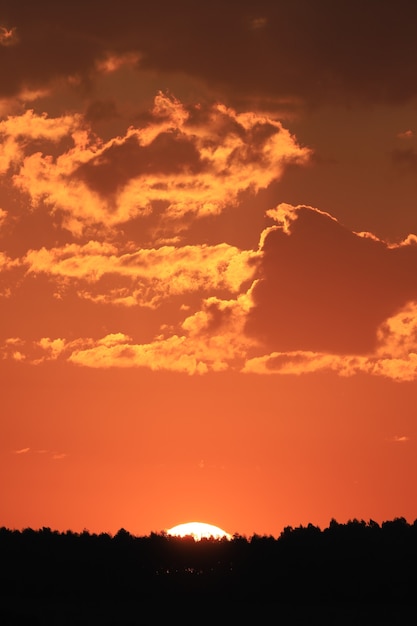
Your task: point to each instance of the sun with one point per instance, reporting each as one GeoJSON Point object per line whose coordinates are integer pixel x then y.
{"type": "Point", "coordinates": [198, 530]}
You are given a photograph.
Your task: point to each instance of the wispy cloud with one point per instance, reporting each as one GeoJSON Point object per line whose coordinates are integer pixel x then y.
{"type": "Point", "coordinates": [144, 276]}
{"type": "Point", "coordinates": [53, 455]}
{"type": "Point", "coordinates": [406, 134]}
{"type": "Point", "coordinates": [8, 36]}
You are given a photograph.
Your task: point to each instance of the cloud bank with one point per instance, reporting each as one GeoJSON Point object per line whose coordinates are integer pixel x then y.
{"type": "Point", "coordinates": [314, 297]}
{"type": "Point", "coordinates": [296, 49]}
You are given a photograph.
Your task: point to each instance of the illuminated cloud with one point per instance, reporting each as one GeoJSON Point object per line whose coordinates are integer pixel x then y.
{"type": "Point", "coordinates": [5, 261]}
{"type": "Point", "coordinates": [300, 363]}
{"type": "Point", "coordinates": [30, 126]}
{"type": "Point", "coordinates": [172, 353]}
{"type": "Point", "coordinates": [8, 36]}
{"type": "Point", "coordinates": [9, 153]}
{"type": "Point", "coordinates": [144, 276]}
{"type": "Point", "coordinates": [113, 62]}
{"type": "Point", "coordinates": [406, 134]}
{"type": "Point", "coordinates": [53, 455]}
{"type": "Point", "coordinates": [52, 347]}
{"type": "Point", "coordinates": [13, 348]}
{"type": "Point", "coordinates": [397, 336]}
{"type": "Point", "coordinates": [16, 133]}
{"type": "Point", "coordinates": [192, 161]}
{"type": "Point", "coordinates": [210, 341]}
{"type": "Point", "coordinates": [3, 217]}
{"type": "Point", "coordinates": [18, 102]}
{"type": "Point", "coordinates": [34, 352]}
{"type": "Point", "coordinates": [399, 369]}
{"type": "Point", "coordinates": [13, 341]}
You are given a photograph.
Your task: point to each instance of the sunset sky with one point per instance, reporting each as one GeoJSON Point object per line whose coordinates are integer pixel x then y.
{"type": "Point", "coordinates": [208, 263]}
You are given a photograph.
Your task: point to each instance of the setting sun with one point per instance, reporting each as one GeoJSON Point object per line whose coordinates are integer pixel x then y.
{"type": "Point", "coordinates": [198, 530]}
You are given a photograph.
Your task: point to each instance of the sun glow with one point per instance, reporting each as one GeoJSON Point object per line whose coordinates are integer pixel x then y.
{"type": "Point", "coordinates": [198, 530]}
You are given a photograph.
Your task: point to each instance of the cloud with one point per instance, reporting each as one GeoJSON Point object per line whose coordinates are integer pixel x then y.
{"type": "Point", "coordinates": [172, 353]}
{"type": "Point", "coordinates": [145, 276]}
{"type": "Point", "coordinates": [397, 336]}
{"type": "Point", "coordinates": [184, 163]}
{"type": "Point", "coordinates": [13, 348]}
{"type": "Point", "coordinates": [19, 101]}
{"type": "Point", "coordinates": [34, 352]}
{"type": "Point", "coordinates": [395, 355]}
{"type": "Point", "coordinates": [400, 439]}
{"type": "Point", "coordinates": [5, 261]}
{"type": "Point", "coordinates": [3, 217]}
{"type": "Point", "coordinates": [274, 52]}
{"type": "Point", "coordinates": [280, 53]}
{"type": "Point", "coordinates": [314, 297]}
{"type": "Point", "coordinates": [406, 134]}
{"type": "Point", "coordinates": [53, 455]}
{"type": "Point", "coordinates": [17, 131]}
{"type": "Point", "coordinates": [258, 23]}
{"type": "Point", "coordinates": [113, 62]}
{"type": "Point", "coordinates": [211, 341]}
{"type": "Point", "coordinates": [53, 347]}
{"type": "Point", "coordinates": [8, 36]}
{"type": "Point", "coordinates": [322, 288]}
{"type": "Point", "coordinates": [301, 363]}
{"type": "Point", "coordinates": [9, 153]}
{"type": "Point", "coordinates": [30, 126]}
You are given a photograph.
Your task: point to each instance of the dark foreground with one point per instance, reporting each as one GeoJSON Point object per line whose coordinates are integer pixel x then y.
{"type": "Point", "coordinates": [355, 573]}
{"type": "Point", "coordinates": [214, 614]}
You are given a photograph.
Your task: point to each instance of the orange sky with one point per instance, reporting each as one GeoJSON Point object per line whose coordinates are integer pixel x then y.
{"type": "Point", "coordinates": [208, 293]}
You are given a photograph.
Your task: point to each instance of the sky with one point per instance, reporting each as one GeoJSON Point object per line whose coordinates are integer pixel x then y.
{"type": "Point", "coordinates": [208, 254]}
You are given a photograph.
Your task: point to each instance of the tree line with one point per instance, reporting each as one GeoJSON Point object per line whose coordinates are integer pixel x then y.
{"type": "Point", "coordinates": [352, 562]}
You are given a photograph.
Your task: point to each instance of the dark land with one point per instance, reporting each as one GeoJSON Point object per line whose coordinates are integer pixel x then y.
{"type": "Point", "coordinates": [354, 573]}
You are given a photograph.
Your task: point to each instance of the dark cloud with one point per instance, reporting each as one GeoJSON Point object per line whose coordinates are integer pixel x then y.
{"type": "Point", "coordinates": [169, 153]}
{"type": "Point", "coordinates": [101, 110]}
{"type": "Point", "coordinates": [313, 50]}
{"type": "Point", "coordinates": [324, 288]}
